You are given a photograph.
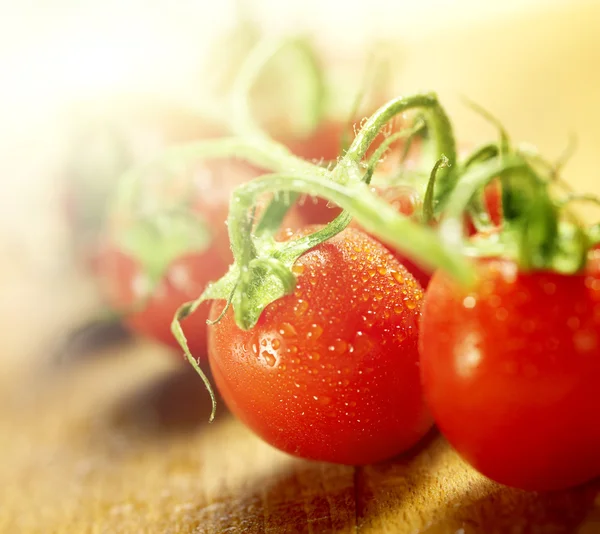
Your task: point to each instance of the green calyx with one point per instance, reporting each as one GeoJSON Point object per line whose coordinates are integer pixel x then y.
{"type": "Point", "coordinates": [155, 240]}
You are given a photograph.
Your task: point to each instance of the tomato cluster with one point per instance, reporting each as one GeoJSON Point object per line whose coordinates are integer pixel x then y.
{"type": "Point", "coordinates": [347, 340]}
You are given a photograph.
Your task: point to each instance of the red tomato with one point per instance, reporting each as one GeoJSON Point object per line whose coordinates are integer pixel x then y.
{"type": "Point", "coordinates": [124, 281]}
{"type": "Point", "coordinates": [330, 372]}
{"type": "Point", "coordinates": [102, 146]}
{"type": "Point", "coordinates": [126, 285]}
{"type": "Point", "coordinates": [405, 200]}
{"type": "Point", "coordinates": [511, 370]}
{"type": "Point", "coordinates": [493, 205]}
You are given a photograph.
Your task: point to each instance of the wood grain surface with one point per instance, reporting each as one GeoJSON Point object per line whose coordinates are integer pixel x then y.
{"type": "Point", "coordinates": [117, 441]}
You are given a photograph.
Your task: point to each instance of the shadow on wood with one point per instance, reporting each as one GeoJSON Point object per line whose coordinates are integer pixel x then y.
{"type": "Point", "coordinates": [170, 404]}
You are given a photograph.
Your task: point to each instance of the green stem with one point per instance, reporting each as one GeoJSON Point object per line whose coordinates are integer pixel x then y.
{"type": "Point", "coordinates": [261, 152]}
{"type": "Point", "coordinates": [294, 249]}
{"type": "Point", "coordinates": [428, 200]}
{"type": "Point", "coordinates": [407, 133]}
{"type": "Point", "coordinates": [438, 126]}
{"type": "Point", "coordinates": [483, 153]}
{"type": "Point", "coordinates": [374, 214]}
{"type": "Point", "coordinates": [243, 122]}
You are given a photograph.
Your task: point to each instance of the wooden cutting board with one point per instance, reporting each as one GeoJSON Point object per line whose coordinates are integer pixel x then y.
{"type": "Point", "coordinates": [119, 443]}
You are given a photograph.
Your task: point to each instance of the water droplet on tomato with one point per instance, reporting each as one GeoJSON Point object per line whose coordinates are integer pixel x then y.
{"type": "Point", "coordinates": [276, 344]}
{"type": "Point", "coordinates": [301, 307]}
{"type": "Point", "coordinates": [314, 356]}
{"type": "Point", "coordinates": [398, 277]}
{"type": "Point", "coordinates": [269, 359]}
{"type": "Point", "coordinates": [339, 346]}
{"type": "Point", "coordinates": [411, 304]}
{"type": "Point", "coordinates": [287, 330]}
{"type": "Point", "coordinates": [314, 332]}
{"type": "Point", "coordinates": [298, 268]}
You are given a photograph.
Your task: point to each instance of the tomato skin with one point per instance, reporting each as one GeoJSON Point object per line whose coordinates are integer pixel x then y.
{"type": "Point", "coordinates": [493, 205]}
{"type": "Point", "coordinates": [511, 370]}
{"type": "Point", "coordinates": [123, 284]}
{"type": "Point", "coordinates": [330, 372]}
{"type": "Point", "coordinates": [403, 199]}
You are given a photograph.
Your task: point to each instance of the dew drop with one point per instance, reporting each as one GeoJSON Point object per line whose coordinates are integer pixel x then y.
{"type": "Point", "coordinates": [382, 270]}
{"type": "Point", "coordinates": [298, 268]}
{"type": "Point", "coordinates": [398, 277]}
{"type": "Point", "coordinates": [411, 304]}
{"type": "Point", "coordinates": [314, 356]}
{"type": "Point", "coordinates": [276, 344]}
{"type": "Point", "coordinates": [339, 346]}
{"type": "Point", "coordinates": [270, 360]}
{"type": "Point", "coordinates": [314, 332]}
{"type": "Point", "coordinates": [287, 330]}
{"type": "Point", "coordinates": [301, 307]}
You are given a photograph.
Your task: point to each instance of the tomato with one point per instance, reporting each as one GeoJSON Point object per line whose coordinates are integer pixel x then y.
{"type": "Point", "coordinates": [126, 285]}
{"type": "Point", "coordinates": [492, 197]}
{"type": "Point", "coordinates": [102, 145]}
{"type": "Point", "coordinates": [206, 190]}
{"type": "Point", "coordinates": [511, 369]}
{"type": "Point", "coordinates": [330, 372]}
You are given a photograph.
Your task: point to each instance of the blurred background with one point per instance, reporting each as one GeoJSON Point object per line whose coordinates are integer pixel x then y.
{"type": "Point", "coordinates": [90, 89]}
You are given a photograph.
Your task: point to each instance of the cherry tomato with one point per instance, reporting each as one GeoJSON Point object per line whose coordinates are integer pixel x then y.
{"type": "Point", "coordinates": [150, 310]}
{"type": "Point", "coordinates": [126, 286]}
{"type": "Point", "coordinates": [330, 372]}
{"type": "Point", "coordinates": [511, 369]}
{"type": "Point", "coordinates": [493, 205]}
{"type": "Point", "coordinates": [105, 144]}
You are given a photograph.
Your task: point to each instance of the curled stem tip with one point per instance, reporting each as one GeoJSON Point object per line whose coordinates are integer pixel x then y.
{"type": "Point", "coordinates": [185, 310]}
